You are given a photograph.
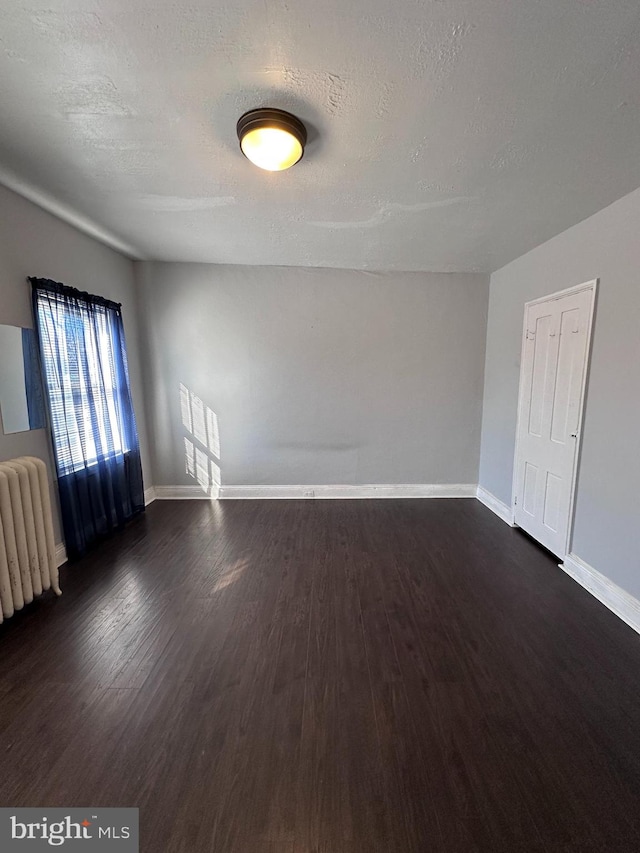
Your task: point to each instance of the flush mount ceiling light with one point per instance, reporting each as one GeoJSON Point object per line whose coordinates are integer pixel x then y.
{"type": "Point", "coordinates": [272, 139]}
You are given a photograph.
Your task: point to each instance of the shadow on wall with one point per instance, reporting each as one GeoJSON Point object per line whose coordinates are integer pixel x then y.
{"type": "Point", "coordinates": [201, 443]}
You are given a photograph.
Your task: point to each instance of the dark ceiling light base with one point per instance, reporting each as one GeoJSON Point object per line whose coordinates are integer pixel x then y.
{"type": "Point", "coordinates": [270, 119]}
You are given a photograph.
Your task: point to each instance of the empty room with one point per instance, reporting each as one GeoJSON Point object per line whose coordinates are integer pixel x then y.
{"type": "Point", "coordinates": [320, 426]}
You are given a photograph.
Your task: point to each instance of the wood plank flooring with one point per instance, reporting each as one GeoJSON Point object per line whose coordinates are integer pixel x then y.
{"type": "Point", "coordinates": [327, 677]}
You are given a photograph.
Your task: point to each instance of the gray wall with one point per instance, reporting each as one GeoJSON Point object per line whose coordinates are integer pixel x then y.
{"type": "Point", "coordinates": [608, 507]}
{"type": "Point", "coordinates": [33, 242]}
{"type": "Point", "coordinates": [317, 376]}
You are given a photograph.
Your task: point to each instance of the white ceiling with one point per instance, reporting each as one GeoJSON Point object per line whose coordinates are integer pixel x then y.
{"type": "Point", "coordinates": [450, 135]}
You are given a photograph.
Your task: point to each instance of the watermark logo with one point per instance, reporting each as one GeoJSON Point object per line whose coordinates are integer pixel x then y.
{"type": "Point", "coordinates": [35, 830]}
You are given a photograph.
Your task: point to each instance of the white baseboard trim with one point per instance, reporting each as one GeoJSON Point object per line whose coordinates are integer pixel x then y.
{"type": "Point", "coordinates": [407, 490]}
{"type": "Point", "coordinates": [624, 605]}
{"type": "Point", "coordinates": [185, 493]}
{"type": "Point", "coordinates": [149, 495]}
{"type": "Point", "coordinates": [495, 505]}
{"type": "Point", "coordinates": [61, 554]}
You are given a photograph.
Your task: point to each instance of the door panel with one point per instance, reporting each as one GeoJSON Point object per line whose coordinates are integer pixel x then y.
{"type": "Point", "coordinates": [529, 491]}
{"type": "Point", "coordinates": [541, 345]}
{"type": "Point", "coordinates": [551, 390]}
{"type": "Point", "coordinates": [564, 414]}
{"type": "Point", "coordinates": [552, 503]}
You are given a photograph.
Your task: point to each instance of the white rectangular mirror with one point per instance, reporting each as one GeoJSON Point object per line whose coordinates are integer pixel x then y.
{"type": "Point", "coordinates": [21, 393]}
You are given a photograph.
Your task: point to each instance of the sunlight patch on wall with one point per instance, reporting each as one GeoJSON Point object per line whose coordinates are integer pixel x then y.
{"type": "Point", "coordinates": [202, 444]}
{"type": "Point", "coordinates": [185, 408]}
{"type": "Point", "coordinates": [190, 456]}
{"type": "Point", "coordinates": [213, 432]}
{"type": "Point", "coordinates": [198, 420]}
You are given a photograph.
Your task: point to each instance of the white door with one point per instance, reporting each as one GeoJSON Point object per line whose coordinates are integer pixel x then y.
{"type": "Point", "coordinates": [553, 371]}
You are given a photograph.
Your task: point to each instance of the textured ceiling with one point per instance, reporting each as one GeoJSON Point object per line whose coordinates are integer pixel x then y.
{"type": "Point", "coordinates": [445, 135]}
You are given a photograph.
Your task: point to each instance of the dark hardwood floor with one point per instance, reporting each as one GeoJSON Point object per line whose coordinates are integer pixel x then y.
{"type": "Point", "coordinates": [327, 677]}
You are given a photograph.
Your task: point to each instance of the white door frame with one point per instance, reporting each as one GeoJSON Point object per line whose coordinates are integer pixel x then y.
{"type": "Point", "coordinates": [569, 291]}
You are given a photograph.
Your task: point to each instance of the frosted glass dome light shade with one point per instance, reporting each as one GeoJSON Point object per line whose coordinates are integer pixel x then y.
{"type": "Point", "coordinates": [271, 139]}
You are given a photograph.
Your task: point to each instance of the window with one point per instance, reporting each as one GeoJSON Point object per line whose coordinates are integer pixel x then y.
{"type": "Point", "coordinates": [93, 424]}
{"type": "Point", "coordinates": [87, 393]}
